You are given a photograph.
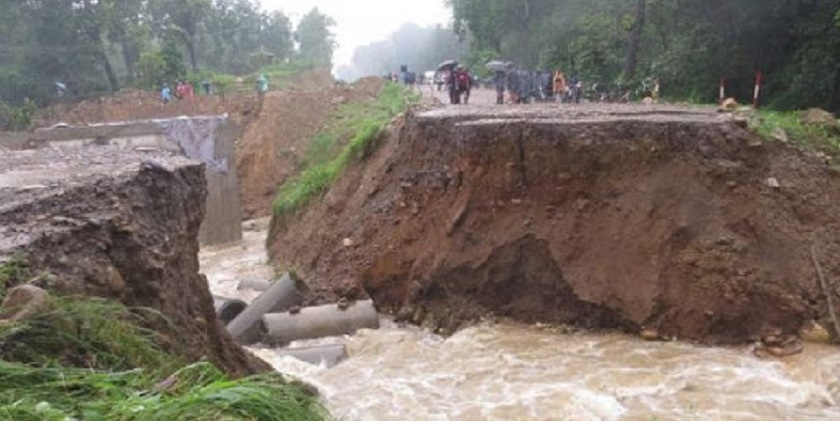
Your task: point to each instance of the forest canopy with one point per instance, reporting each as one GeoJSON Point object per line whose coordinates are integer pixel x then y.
{"type": "Point", "coordinates": [688, 44]}
{"type": "Point", "coordinates": [97, 46]}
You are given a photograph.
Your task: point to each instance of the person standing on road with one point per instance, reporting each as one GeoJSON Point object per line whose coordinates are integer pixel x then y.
{"type": "Point", "coordinates": [464, 81]}
{"type": "Point", "coordinates": [499, 83]}
{"type": "Point", "coordinates": [166, 94]}
{"type": "Point", "coordinates": [513, 86]}
{"type": "Point", "coordinates": [262, 85]}
{"type": "Point", "coordinates": [559, 88]}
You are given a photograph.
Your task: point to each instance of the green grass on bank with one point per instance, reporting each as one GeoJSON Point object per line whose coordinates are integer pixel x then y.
{"type": "Point", "coordinates": [79, 358]}
{"type": "Point", "coordinates": [788, 124]}
{"type": "Point", "coordinates": [12, 273]}
{"type": "Point", "coordinates": [86, 332]}
{"type": "Point", "coordinates": [359, 122]}
{"type": "Point", "coordinates": [197, 392]}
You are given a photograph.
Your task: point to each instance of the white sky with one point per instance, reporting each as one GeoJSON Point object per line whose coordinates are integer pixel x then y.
{"type": "Point", "coordinates": [360, 22]}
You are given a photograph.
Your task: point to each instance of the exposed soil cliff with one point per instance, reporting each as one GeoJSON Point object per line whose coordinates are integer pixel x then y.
{"type": "Point", "coordinates": [670, 219]}
{"type": "Point", "coordinates": [122, 225]}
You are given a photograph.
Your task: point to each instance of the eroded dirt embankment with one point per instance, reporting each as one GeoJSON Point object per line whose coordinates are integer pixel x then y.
{"type": "Point", "coordinates": [669, 219]}
{"type": "Point", "coordinates": [122, 225]}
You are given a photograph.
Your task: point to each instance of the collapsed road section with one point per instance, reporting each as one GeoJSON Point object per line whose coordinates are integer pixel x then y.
{"type": "Point", "coordinates": [675, 222]}
{"type": "Point", "coordinates": [117, 223]}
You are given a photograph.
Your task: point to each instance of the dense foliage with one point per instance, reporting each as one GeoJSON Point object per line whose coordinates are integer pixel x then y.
{"type": "Point", "coordinates": [688, 44]}
{"type": "Point", "coordinates": [97, 46]}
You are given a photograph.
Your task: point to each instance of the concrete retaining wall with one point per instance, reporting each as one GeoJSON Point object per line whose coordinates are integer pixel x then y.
{"type": "Point", "coordinates": [223, 218]}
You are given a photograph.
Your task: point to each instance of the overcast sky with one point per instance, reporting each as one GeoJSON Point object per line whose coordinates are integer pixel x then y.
{"type": "Point", "coordinates": [360, 22]}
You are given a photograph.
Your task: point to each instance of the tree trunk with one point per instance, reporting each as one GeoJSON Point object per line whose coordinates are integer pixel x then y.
{"type": "Point", "coordinates": [96, 39]}
{"type": "Point", "coordinates": [128, 58]}
{"type": "Point", "coordinates": [109, 70]}
{"type": "Point", "coordinates": [635, 40]}
{"type": "Point", "coordinates": [192, 50]}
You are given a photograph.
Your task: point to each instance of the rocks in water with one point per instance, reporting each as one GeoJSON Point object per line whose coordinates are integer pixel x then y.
{"type": "Point", "coordinates": [342, 304]}
{"type": "Point", "coordinates": [650, 335]}
{"type": "Point", "coordinates": [418, 316]}
{"type": "Point", "coordinates": [815, 333]}
{"type": "Point", "coordinates": [405, 314]}
{"type": "Point", "coordinates": [776, 344]}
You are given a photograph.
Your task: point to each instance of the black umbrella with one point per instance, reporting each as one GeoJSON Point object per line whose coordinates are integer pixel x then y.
{"type": "Point", "coordinates": [447, 65]}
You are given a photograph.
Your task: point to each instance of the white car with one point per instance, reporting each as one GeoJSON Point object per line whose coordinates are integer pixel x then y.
{"type": "Point", "coordinates": [429, 77]}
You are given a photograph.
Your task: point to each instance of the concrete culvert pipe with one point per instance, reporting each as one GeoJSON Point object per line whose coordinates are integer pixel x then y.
{"type": "Point", "coordinates": [254, 285]}
{"type": "Point", "coordinates": [228, 308]}
{"type": "Point", "coordinates": [282, 295]}
{"type": "Point", "coordinates": [329, 355]}
{"type": "Point", "coordinates": [319, 322]}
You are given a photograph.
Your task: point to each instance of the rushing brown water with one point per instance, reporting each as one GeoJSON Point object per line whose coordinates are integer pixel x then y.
{"type": "Point", "coordinates": [517, 372]}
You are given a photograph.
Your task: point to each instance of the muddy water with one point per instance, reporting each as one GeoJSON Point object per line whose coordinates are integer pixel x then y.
{"type": "Point", "coordinates": [514, 372]}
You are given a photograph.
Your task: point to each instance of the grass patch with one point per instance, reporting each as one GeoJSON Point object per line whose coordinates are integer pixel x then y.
{"type": "Point", "coordinates": [12, 273]}
{"type": "Point", "coordinates": [89, 359]}
{"type": "Point", "coordinates": [87, 332]}
{"type": "Point", "coordinates": [198, 392]}
{"type": "Point", "coordinates": [771, 124]}
{"type": "Point", "coordinates": [361, 123]}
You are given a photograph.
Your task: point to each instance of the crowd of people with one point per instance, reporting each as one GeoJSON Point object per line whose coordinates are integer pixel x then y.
{"type": "Point", "coordinates": [183, 90]}
{"type": "Point", "coordinates": [512, 85]}
{"type": "Point", "coordinates": [523, 87]}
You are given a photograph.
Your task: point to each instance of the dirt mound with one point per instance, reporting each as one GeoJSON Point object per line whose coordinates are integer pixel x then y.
{"type": "Point", "coordinates": [671, 220]}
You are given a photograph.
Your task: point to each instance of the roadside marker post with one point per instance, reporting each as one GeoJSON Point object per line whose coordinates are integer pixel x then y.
{"type": "Point", "coordinates": [722, 91]}
{"type": "Point", "coordinates": [757, 92]}
{"type": "Point", "coordinates": [656, 90]}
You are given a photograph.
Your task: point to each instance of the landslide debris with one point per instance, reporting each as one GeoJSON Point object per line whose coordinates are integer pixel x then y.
{"type": "Point", "coordinates": [670, 220]}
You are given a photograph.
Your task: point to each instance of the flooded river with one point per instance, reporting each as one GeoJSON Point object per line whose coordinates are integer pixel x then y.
{"type": "Point", "coordinates": [506, 371]}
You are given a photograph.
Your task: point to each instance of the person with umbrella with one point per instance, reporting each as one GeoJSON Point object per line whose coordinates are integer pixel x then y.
{"type": "Point", "coordinates": [448, 68]}
{"type": "Point", "coordinates": [499, 80]}
{"type": "Point", "coordinates": [500, 69]}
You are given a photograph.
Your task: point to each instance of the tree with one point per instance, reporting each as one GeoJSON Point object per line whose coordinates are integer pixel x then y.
{"type": "Point", "coordinates": [164, 65]}
{"type": "Point", "coordinates": [183, 19]}
{"type": "Point", "coordinates": [315, 37]}
{"type": "Point", "coordinates": [635, 39]}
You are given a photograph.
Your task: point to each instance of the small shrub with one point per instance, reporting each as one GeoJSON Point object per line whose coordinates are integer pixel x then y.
{"type": "Point", "coordinates": [17, 118]}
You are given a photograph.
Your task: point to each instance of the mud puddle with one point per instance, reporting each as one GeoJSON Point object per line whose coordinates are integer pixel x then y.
{"type": "Point", "coordinates": [517, 372]}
